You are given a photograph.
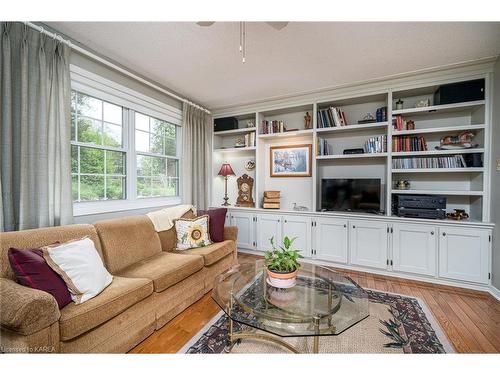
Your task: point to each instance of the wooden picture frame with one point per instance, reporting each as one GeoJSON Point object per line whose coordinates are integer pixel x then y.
{"type": "Point", "coordinates": [290, 160]}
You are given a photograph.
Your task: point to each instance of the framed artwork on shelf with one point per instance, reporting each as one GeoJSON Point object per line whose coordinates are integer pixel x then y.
{"type": "Point", "coordinates": [291, 160]}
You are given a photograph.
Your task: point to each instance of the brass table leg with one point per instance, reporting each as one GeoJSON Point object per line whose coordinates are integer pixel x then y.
{"type": "Point", "coordinates": [316, 320]}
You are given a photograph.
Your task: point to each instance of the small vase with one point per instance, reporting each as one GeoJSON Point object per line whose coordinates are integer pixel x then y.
{"type": "Point", "coordinates": [282, 279]}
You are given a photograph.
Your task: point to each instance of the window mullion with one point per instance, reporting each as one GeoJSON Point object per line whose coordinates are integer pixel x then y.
{"type": "Point", "coordinates": [131, 156]}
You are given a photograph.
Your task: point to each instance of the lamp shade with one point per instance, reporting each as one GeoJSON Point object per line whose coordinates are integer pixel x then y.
{"type": "Point", "coordinates": [226, 170]}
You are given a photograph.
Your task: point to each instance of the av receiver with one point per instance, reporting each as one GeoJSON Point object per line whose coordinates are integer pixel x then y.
{"type": "Point", "coordinates": [421, 201]}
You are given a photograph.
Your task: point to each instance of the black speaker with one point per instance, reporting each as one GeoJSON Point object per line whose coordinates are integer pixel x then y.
{"type": "Point", "coordinates": [467, 91]}
{"type": "Point", "coordinates": [225, 123]}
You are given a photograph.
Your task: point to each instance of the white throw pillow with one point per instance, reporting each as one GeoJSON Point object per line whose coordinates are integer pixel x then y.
{"type": "Point", "coordinates": [192, 233]}
{"type": "Point", "coordinates": [80, 266]}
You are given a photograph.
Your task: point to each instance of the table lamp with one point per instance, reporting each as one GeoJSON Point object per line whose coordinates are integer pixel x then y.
{"type": "Point", "coordinates": [225, 171]}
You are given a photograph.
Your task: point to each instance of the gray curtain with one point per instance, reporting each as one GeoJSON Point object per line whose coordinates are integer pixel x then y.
{"type": "Point", "coordinates": [196, 156]}
{"type": "Point", "coordinates": [35, 162]}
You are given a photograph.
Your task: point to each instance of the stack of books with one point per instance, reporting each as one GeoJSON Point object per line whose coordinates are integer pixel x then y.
{"type": "Point", "coordinates": [399, 123]}
{"type": "Point", "coordinates": [323, 147]}
{"type": "Point", "coordinates": [456, 161]}
{"type": "Point", "coordinates": [250, 139]}
{"type": "Point", "coordinates": [331, 117]}
{"type": "Point", "coordinates": [271, 199]}
{"type": "Point", "coordinates": [271, 127]}
{"type": "Point", "coordinates": [376, 145]}
{"type": "Point", "coordinates": [409, 144]}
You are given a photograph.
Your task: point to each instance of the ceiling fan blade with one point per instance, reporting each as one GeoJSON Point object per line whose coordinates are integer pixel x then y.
{"type": "Point", "coordinates": [205, 23]}
{"type": "Point", "coordinates": [278, 25]}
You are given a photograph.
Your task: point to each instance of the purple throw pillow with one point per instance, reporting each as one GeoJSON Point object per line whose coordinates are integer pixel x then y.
{"type": "Point", "coordinates": [216, 222]}
{"type": "Point", "coordinates": [32, 271]}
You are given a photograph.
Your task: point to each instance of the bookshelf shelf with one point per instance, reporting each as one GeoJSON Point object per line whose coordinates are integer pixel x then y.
{"type": "Point", "coordinates": [444, 129]}
{"type": "Point", "coordinates": [438, 152]}
{"type": "Point", "coordinates": [352, 156]}
{"type": "Point", "coordinates": [440, 192]}
{"type": "Point", "coordinates": [235, 149]}
{"type": "Point", "coordinates": [440, 108]}
{"type": "Point", "coordinates": [439, 170]}
{"type": "Point", "coordinates": [352, 128]}
{"type": "Point", "coordinates": [286, 134]}
{"type": "Point", "coordinates": [235, 131]}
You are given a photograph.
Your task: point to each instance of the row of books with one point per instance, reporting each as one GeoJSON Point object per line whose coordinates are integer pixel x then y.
{"type": "Point", "coordinates": [399, 123]}
{"type": "Point", "coordinates": [331, 117]}
{"type": "Point", "coordinates": [250, 139]}
{"type": "Point", "coordinates": [376, 145]}
{"type": "Point", "coordinates": [409, 143]}
{"type": "Point", "coordinates": [456, 161]}
{"type": "Point", "coordinates": [271, 127]}
{"type": "Point", "coordinates": [323, 147]}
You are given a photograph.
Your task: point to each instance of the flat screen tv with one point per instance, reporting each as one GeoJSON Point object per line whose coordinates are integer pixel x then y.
{"type": "Point", "coordinates": [357, 195]}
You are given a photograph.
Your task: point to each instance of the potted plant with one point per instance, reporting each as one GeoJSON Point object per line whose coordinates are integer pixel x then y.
{"type": "Point", "coordinates": [282, 263]}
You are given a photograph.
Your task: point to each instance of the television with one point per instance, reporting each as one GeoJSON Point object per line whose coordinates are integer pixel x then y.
{"type": "Point", "coordinates": [349, 194]}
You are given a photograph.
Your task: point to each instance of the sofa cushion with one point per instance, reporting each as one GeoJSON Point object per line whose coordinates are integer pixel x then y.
{"type": "Point", "coordinates": [33, 271]}
{"type": "Point", "coordinates": [216, 224]}
{"type": "Point", "coordinates": [126, 241]}
{"type": "Point", "coordinates": [116, 298]}
{"type": "Point", "coordinates": [165, 269]}
{"type": "Point", "coordinates": [168, 238]}
{"type": "Point", "coordinates": [211, 253]}
{"type": "Point", "coordinates": [36, 238]}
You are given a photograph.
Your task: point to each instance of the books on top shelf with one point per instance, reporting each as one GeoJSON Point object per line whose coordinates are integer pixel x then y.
{"type": "Point", "coordinates": [331, 117]}
{"type": "Point", "coordinates": [376, 145]}
{"type": "Point", "coordinates": [456, 161]}
{"type": "Point", "coordinates": [409, 143]}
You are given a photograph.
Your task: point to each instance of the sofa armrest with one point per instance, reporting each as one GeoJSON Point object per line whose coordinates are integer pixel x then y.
{"type": "Point", "coordinates": [231, 233]}
{"type": "Point", "coordinates": [25, 310]}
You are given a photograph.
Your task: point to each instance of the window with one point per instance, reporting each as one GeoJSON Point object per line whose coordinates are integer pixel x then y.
{"type": "Point", "coordinates": [124, 147]}
{"type": "Point", "coordinates": [98, 158]}
{"type": "Point", "coordinates": [156, 157]}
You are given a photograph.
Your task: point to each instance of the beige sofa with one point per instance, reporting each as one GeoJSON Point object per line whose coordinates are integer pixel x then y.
{"type": "Point", "coordinates": [152, 284]}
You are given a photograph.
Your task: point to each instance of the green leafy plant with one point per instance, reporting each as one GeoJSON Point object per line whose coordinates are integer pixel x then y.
{"type": "Point", "coordinates": [282, 258]}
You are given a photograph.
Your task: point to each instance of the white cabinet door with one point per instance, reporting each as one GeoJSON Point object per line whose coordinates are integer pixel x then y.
{"type": "Point", "coordinates": [414, 248]}
{"type": "Point", "coordinates": [464, 254]}
{"type": "Point", "coordinates": [246, 229]}
{"type": "Point", "coordinates": [368, 243]}
{"type": "Point", "coordinates": [330, 237]}
{"type": "Point", "coordinates": [268, 226]}
{"type": "Point", "coordinates": [298, 227]}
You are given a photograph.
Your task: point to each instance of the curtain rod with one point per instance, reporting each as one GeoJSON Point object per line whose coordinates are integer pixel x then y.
{"type": "Point", "coordinates": [111, 65]}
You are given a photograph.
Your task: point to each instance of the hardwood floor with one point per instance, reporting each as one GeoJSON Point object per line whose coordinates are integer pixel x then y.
{"type": "Point", "coordinates": [470, 319]}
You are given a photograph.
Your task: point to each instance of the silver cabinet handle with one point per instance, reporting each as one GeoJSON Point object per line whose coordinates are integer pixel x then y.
{"type": "Point", "coordinates": [444, 234]}
{"type": "Point", "coordinates": [345, 225]}
{"type": "Point", "coordinates": [432, 233]}
{"type": "Point", "coordinates": [354, 226]}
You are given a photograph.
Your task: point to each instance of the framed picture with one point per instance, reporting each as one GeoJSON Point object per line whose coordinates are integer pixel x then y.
{"type": "Point", "coordinates": [291, 161]}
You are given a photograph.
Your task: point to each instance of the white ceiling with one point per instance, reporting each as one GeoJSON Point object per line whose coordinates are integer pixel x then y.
{"type": "Point", "coordinates": [203, 63]}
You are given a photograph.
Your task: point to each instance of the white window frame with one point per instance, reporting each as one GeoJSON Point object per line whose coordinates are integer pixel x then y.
{"type": "Point", "coordinates": [94, 85]}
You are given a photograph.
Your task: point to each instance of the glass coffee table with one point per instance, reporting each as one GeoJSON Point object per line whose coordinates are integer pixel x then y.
{"type": "Point", "coordinates": [322, 303]}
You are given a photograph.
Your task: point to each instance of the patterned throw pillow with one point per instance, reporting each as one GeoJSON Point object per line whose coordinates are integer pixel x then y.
{"type": "Point", "coordinates": [192, 233]}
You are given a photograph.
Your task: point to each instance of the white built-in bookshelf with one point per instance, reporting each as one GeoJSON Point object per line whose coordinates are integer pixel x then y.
{"type": "Point", "coordinates": [465, 187]}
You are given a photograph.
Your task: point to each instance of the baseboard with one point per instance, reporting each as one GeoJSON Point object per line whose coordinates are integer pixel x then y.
{"type": "Point", "coordinates": [462, 285]}
{"type": "Point", "coordinates": [495, 293]}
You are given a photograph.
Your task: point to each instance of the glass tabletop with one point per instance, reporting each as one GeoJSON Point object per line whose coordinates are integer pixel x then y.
{"type": "Point", "coordinates": [322, 302]}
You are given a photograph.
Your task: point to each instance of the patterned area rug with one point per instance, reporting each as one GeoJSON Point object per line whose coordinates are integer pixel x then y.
{"type": "Point", "coordinates": [397, 324]}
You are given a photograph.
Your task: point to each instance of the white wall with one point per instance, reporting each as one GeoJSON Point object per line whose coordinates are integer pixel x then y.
{"type": "Point", "coordinates": [495, 175]}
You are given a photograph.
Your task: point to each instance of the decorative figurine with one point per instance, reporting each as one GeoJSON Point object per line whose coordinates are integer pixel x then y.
{"type": "Point", "coordinates": [410, 125]}
{"type": "Point", "coordinates": [245, 187]}
{"type": "Point", "coordinates": [402, 185]}
{"type": "Point", "coordinates": [307, 121]}
{"type": "Point", "coordinates": [299, 208]}
{"type": "Point", "coordinates": [423, 103]}
{"type": "Point", "coordinates": [240, 142]}
{"type": "Point", "coordinates": [462, 140]}
{"type": "Point", "coordinates": [399, 104]}
{"type": "Point", "coordinates": [458, 215]}
{"type": "Point", "coordinates": [250, 165]}
{"type": "Point", "coordinates": [250, 124]}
